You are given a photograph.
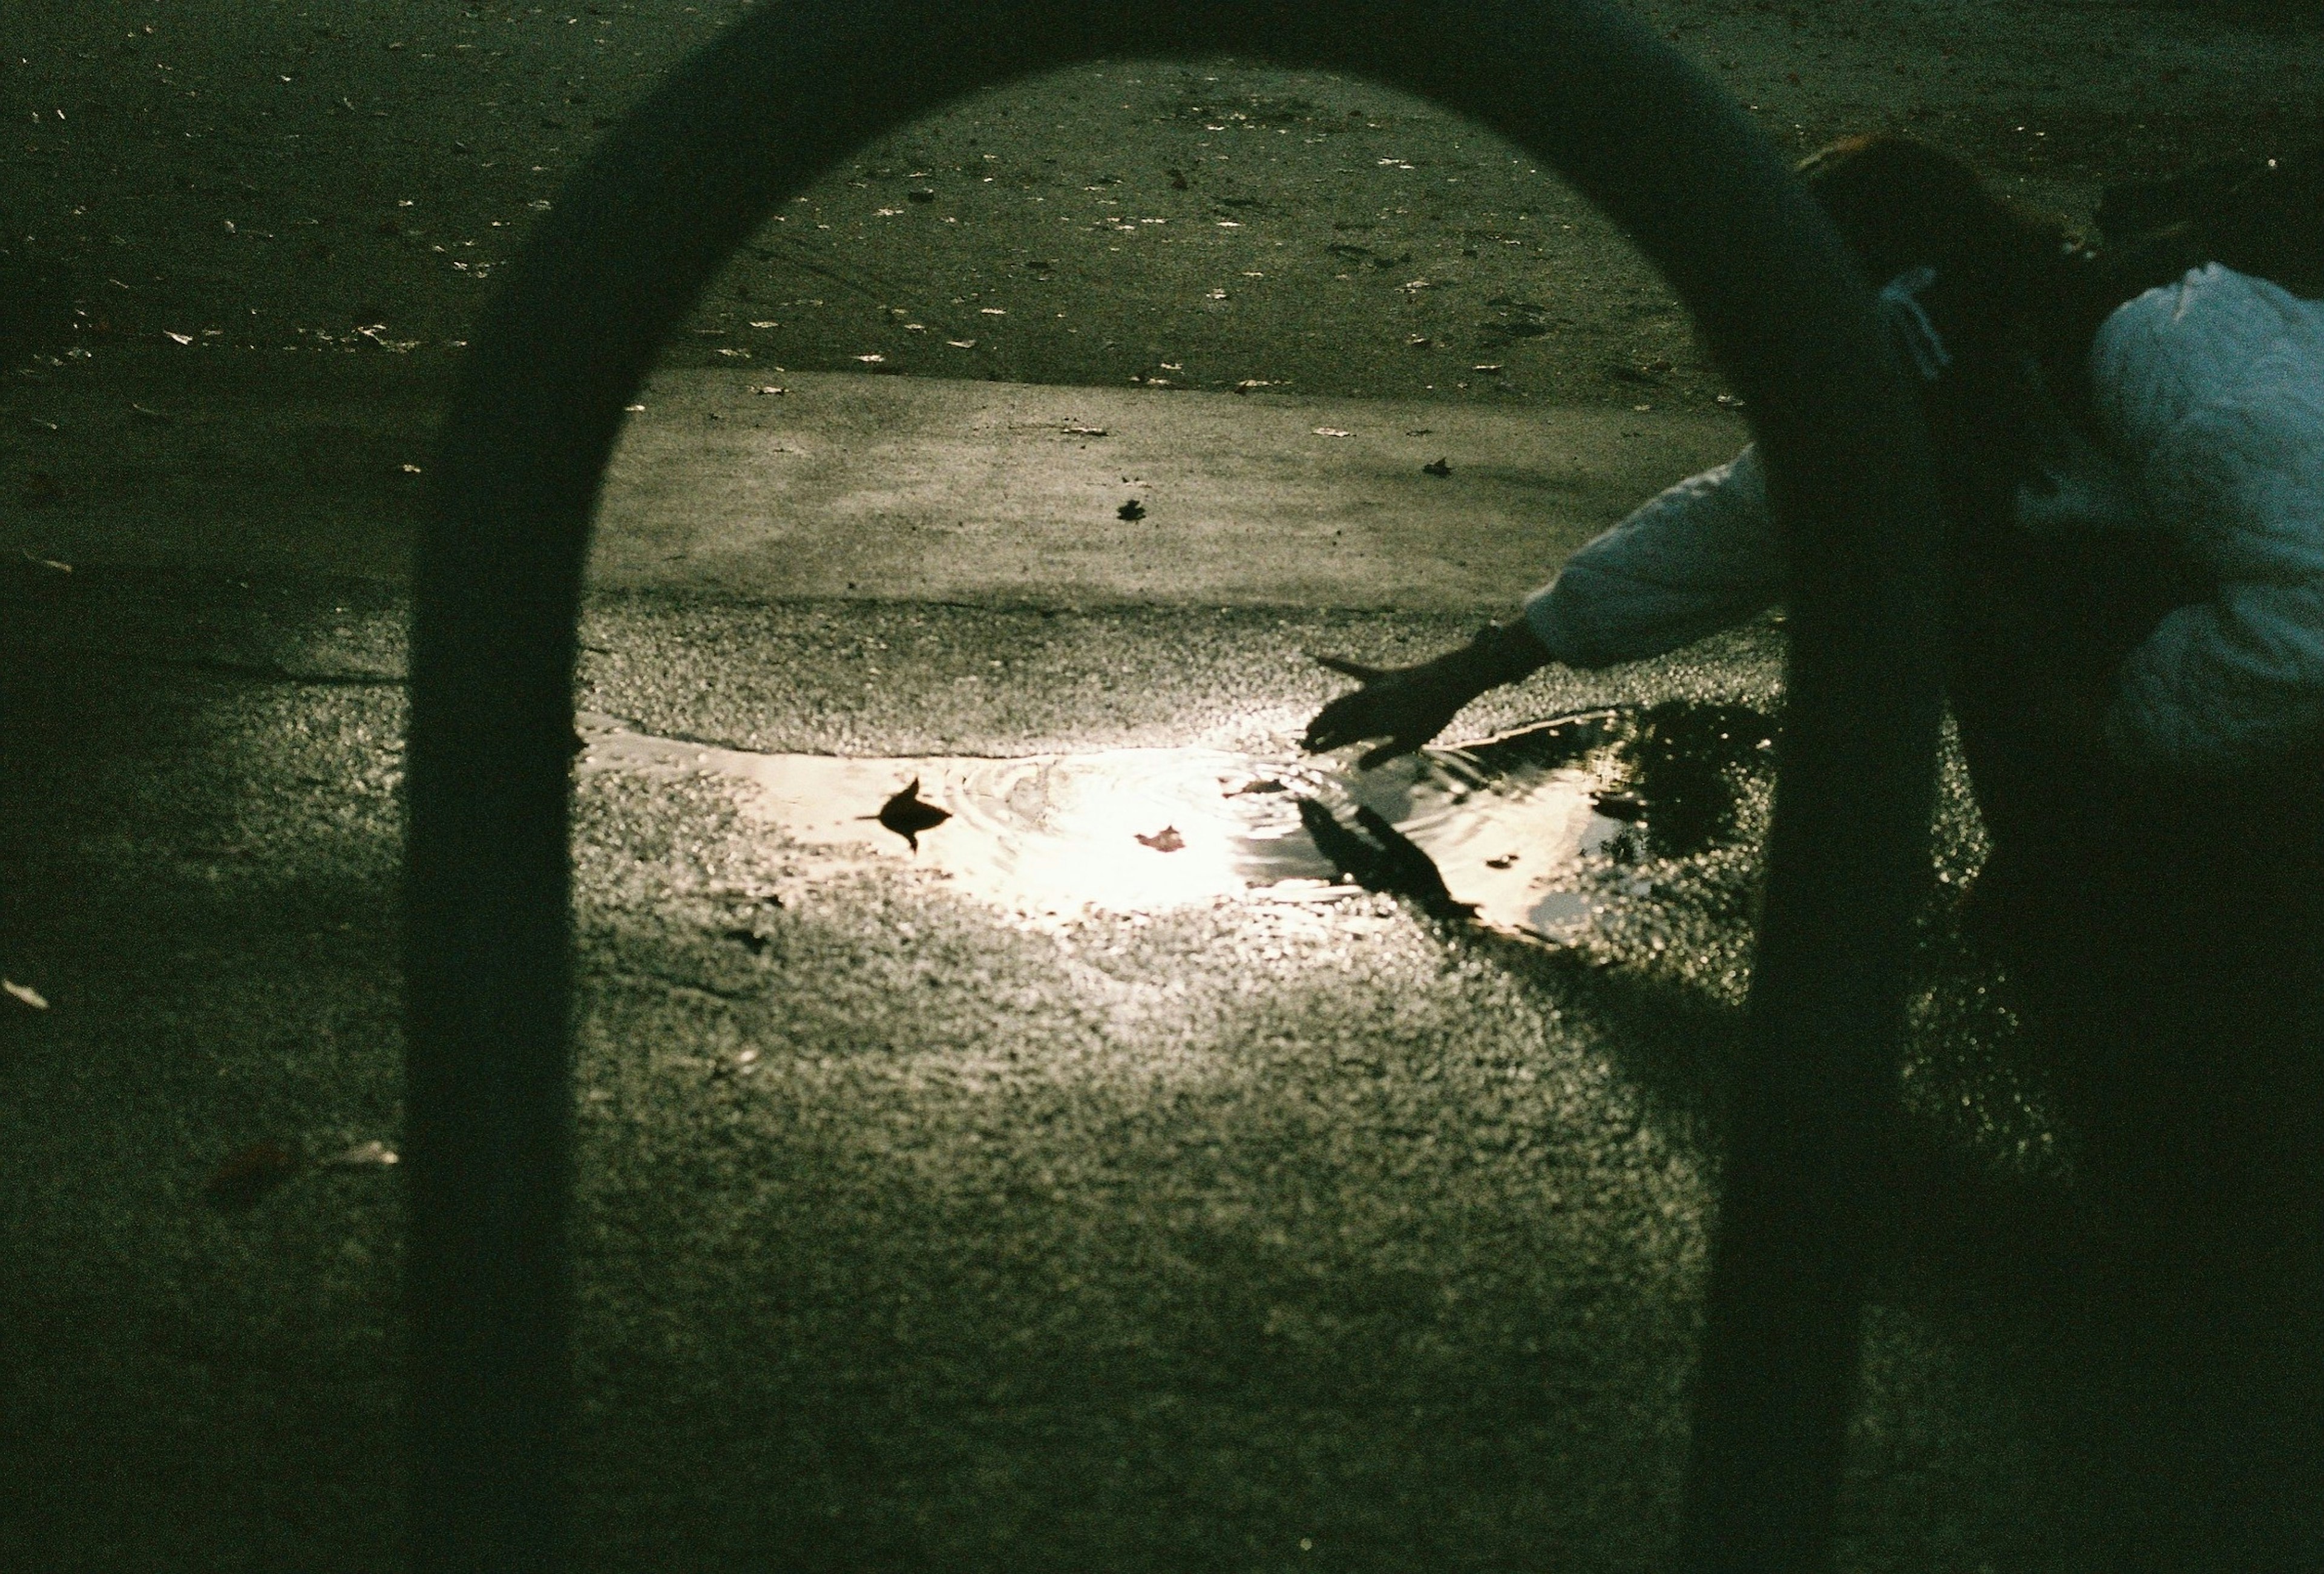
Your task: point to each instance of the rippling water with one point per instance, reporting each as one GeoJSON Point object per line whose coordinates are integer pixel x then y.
{"type": "Point", "coordinates": [1513, 825]}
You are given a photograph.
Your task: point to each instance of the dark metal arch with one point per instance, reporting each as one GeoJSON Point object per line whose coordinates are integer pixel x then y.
{"type": "Point", "coordinates": [752, 119]}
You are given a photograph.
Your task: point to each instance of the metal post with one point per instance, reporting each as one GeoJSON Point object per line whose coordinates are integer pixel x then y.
{"type": "Point", "coordinates": [750, 120]}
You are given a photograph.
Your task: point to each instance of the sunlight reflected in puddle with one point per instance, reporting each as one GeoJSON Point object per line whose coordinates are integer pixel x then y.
{"type": "Point", "coordinates": [1512, 824]}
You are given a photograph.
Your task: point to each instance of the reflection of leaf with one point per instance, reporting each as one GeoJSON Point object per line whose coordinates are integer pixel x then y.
{"type": "Point", "coordinates": [907, 814]}
{"type": "Point", "coordinates": [242, 1179]}
{"type": "Point", "coordinates": [1166, 840]}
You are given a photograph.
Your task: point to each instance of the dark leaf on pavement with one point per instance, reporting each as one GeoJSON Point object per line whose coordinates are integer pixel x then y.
{"type": "Point", "coordinates": [1620, 805]}
{"type": "Point", "coordinates": [1133, 510]}
{"type": "Point", "coordinates": [908, 815]}
{"type": "Point", "coordinates": [1441, 467]}
{"type": "Point", "coordinates": [251, 1173]}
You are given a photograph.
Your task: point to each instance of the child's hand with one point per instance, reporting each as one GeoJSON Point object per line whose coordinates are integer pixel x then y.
{"type": "Point", "coordinates": [1407, 706]}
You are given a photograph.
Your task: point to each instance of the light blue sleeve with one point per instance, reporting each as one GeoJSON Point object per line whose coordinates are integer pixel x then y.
{"type": "Point", "coordinates": [2214, 389]}
{"type": "Point", "coordinates": [1702, 556]}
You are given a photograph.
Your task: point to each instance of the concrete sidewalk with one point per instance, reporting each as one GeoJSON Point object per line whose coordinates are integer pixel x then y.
{"type": "Point", "coordinates": [885, 488]}
{"type": "Point", "coordinates": [942, 490]}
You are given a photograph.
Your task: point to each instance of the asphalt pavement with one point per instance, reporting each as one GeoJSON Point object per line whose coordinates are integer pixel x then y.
{"type": "Point", "coordinates": [916, 1231]}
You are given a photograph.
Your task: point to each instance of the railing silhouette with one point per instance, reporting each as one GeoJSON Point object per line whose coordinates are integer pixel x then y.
{"type": "Point", "coordinates": [750, 120]}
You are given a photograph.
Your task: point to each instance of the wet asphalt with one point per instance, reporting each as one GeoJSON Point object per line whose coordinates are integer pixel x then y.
{"type": "Point", "coordinates": [1234, 1236]}
{"type": "Point", "coordinates": [1240, 1236]}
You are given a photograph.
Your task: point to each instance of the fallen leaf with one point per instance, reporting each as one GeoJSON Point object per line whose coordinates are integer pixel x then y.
{"type": "Point", "coordinates": [749, 939]}
{"type": "Point", "coordinates": [1132, 511]}
{"type": "Point", "coordinates": [26, 993]}
{"type": "Point", "coordinates": [1177, 180]}
{"type": "Point", "coordinates": [1333, 432]}
{"type": "Point", "coordinates": [769, 387]}
{"type": "Point", "coordinates": [1254, 789]}
{"type": "Point", "coordinates": [1620, 805]}
{"type": "Point", "coordinates": [907, 813]}
{"type": "Point", "coordinates": [962, 343]}
{"type": "Point", "coordinates": [1248, 383]}
{"type": "Point", "coordinates": [921, 195]}
{"type": "Point", "coordinates": [1503, 862]}
{"type": "Point", "coordinates": [1166, 840]}
{"type": "Point", "coordinates": [871, 359]}
{"type": "Point", "coordinates": [366, 1155]}
{"type": "Point", "coordinates": [1076, 431]}
{"type": "Point", "coordinates": [177, 338]}
{"type": "Point", "coordinates": [247, 1176]}
{"type": "Point", "coordinates": [1439, 467]}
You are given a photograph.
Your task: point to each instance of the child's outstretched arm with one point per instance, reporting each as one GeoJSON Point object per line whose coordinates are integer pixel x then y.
{"type": "Point", "coordinates": [1700, 557]}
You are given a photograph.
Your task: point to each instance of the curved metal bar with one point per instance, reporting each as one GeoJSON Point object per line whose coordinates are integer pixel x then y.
{"type": "Point", "coordinates": [752, 120]}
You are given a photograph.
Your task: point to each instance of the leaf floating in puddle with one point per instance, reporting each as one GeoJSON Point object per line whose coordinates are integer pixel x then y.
{"type": "Point", "coordinates": [1166, 840]}
{"type": "Point", "coordinates": [1257, 787]}
{"type": "Point", "coordinates": [1133, 510]}
{"type": "Point", "coordinates": [908, 815]}
{"type": "Point", "coordinates": [249, 1175]}
{"type": "Point", "coordinates": [1503, 862]}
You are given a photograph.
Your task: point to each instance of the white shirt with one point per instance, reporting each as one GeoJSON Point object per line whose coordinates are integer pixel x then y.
{"type": "Point", "coordinates": [2210, 403]}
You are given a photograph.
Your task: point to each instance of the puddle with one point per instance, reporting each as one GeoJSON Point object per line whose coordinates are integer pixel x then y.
{"type": "Point", "coordinates": [1514, 826]}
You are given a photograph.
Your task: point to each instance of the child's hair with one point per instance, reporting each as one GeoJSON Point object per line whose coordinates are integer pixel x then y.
{"type": "Point", "coordinates": [2016, 300]}
{"type": "Point", "coordinates": [1901, 203]}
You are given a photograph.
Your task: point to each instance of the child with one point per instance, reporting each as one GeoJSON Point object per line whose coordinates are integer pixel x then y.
{"type": "Point", "coordinates": [2133, 482]}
